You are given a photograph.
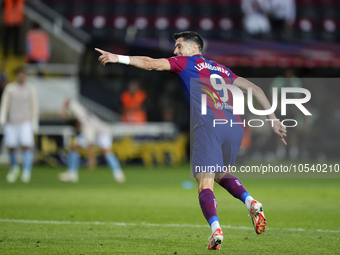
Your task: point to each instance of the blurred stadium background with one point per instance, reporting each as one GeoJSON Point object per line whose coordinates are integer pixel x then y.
{"type": "Point", "coordinates": [157, 206]}
{"type": "Point", "coordinates": [309, 45]}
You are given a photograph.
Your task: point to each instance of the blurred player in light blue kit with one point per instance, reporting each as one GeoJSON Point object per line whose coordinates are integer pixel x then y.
{"type": "Point", "coordinates": [20, 118]}
{"type": "Point", "coordinates": [93, 132]}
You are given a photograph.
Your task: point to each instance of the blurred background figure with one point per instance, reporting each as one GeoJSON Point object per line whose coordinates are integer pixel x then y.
{"type": "Point", "coordinates": [255, 20]}
{"type": "Point", "coordinates": [92, 132]}
{"type": "Point", "coordinates": [13, 16]}
{"type": "Point", "coordinates": [168, 104]}
{"type": "Point", "coordinates": [289, 80]}
{"type": "Point", "coordinates": [3, 77]}
{"type": "Point", "coordinates": [20, 118]}
{"type": "Point", "coordinates": [38, 49]}
{"type": "Point", "coordinates": [282, 16]}
{"type": "Point", "coordinates": [133, 100]}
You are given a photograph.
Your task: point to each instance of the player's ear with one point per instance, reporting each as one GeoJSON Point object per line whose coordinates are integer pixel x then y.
{"type": "Point", "coordinates": [195, 49]}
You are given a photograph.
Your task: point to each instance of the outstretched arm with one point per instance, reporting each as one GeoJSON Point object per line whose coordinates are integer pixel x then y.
{"type": "Point", "coordinates": [145, 63]}
{"type": "Point", "coordinates": [4, 106]}
{"type": "Point", "coordinates": [91, 157]}
{"type": "Point", "coordinates": [35, 111]}
{"type": "Point", "coordinates": [64, 108]}
{"type": "Point", "coordinates": [261, 98]}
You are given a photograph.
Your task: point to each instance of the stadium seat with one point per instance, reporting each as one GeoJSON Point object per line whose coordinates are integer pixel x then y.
{"type": "Point", "coordinates": [305, 29]}
{"type": "Point", "coordinates": [205, 26]}
{"type": "Point", "coordinates": [231, 9]}
{"type": "Point", "coordinates": [215, 19]}
{"type": "Point", "coordinates": [84, 7]}
{"type": "Point", "coordinates": [182, 23]}
{"type": "Point", "coordinates": [306, 9]}
{"type": "Point", "coordinates": [327, 9]}
{"type": "Point", "coordinates": [78, 21]}
{"type": "Point", "coordinates": [62, 7]}
{"type": "Point", "coordinates": [100, 26]}
{"type": "Point", "coordinates": [103, 7]}
{"type": "Point", "coordinates": [329, 29]}
{"type": "Point", "coordinates": [144, 26]}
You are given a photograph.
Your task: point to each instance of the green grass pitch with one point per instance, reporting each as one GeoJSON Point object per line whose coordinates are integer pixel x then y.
{"type": "Point", "coordinates": [153, 214]}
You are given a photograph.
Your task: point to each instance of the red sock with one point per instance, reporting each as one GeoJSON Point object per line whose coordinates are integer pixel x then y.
{"type": "Point", "coordinates": [208, 205]}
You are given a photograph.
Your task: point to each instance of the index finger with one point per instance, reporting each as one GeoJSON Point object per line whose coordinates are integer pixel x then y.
{"type": "Point", "coordinates": [284, 141]}
{"type": "Point", "coordinates": [99, 50]}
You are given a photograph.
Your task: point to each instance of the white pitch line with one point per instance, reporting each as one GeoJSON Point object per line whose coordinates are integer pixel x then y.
{"type": "Point", "coordinates": [155, 225]}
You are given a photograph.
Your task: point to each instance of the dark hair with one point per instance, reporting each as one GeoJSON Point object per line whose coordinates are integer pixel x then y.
{"type": "Point", "coordinates": [36, 25]}
{"type": "Point", "coordinates": [20, 69]}
{"type": "Point", "coordinates": [75, 123]}
{"type": "Point", "coordinates": [191, 36]}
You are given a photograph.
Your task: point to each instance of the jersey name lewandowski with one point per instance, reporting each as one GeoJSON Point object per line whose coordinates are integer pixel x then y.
{"type": "Point", "coordinates": [198, 76]}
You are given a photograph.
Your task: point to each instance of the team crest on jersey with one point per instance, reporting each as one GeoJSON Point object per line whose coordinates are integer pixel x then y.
{"type": "Point", "coordinates": [218, 103]}
{"type": "Point", "coordinates": [223, 106]}
{"type": "Point", "coordinates": [219, 106]}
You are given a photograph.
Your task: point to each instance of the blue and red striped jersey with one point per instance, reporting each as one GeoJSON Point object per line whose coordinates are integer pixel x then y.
{"type": "Point", "coordinates": [198, 76]}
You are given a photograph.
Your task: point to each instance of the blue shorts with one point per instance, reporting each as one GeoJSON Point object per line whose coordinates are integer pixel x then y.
{"type": "Point", "coordinates": [215, 148]}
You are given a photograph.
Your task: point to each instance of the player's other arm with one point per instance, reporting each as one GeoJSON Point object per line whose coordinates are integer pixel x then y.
{"type": "Point", "coordinates": [4, 106]}
{"type": "Point", "coordinates": [91, 157]}
{"type": "Point", "coordinates": [261, 98]}
{"type": "Point", "coordinates": [145, 63]}
{"type": "Point", "coordinates": [64, 108]}
{"type": "Point", "coordinates": [35, 111]}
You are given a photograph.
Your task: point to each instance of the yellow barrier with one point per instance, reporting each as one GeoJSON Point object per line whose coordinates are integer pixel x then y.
{"type": "Point", "coordinates": [151, 152]}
